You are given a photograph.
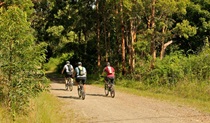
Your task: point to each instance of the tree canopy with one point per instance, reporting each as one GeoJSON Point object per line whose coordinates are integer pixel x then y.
{"type": "Point", "coordinates": [140, 38]}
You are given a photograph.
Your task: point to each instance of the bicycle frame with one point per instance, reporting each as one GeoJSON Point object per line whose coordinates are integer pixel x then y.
{"type": "Point", "coordinates": [109, 88]}
{"type": "Point", "coordinates": [81, 91]}
{"type": "Point", "coordinates": [69, 84]}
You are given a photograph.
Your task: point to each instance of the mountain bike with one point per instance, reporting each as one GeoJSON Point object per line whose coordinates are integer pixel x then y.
{"type": "Point", "coordinates": [69, 84]}
{"type": "Point", "coordinates": [81, 91]}
{"type": "Point", "coordinates": [109, 88]}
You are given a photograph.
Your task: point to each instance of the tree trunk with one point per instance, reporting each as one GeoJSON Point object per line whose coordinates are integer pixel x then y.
{"type": "Point", "coordinates": [163, 47]}
{"type": "Point", "coordinates": [1, 3]}
{"type": "Point", "coordinates": [132, 50]}
{"type": "Point", "coordinates": [98, 36]}
{"type": "Point", "coordinates": [105, 35]}
{"type": "Point", "coordinates": [152, 26]}
{"type": "Point", "coordinates": [122, 38]}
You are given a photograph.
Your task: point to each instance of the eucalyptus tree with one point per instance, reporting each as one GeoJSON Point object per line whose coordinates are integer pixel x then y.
{"type": "Point", "coordinates": [198, 15]}
{"type": "Point", "coordinates": [133, 11]}
{"type": "Point", "coordinates": [69, 22]}
{"type": "Point", "coordinates": [104, 22]}
{"type": "Point", "coordinates": [21, 58]}
{"type": "Point", "coordinates": [162, 27]}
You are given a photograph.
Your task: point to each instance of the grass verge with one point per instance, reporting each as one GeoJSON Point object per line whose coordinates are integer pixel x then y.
{"type": "Point", "coordinates": [165, 94]}
{"type": "Point", "coordinates": [43, 109]}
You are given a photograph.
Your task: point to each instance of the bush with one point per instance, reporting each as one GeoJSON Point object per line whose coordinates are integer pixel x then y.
{"type": "Point", "coordinates": [167, 71]}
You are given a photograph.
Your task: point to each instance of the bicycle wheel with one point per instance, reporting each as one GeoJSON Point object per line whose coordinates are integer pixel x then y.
{"type": "Point", "coordinates": [82, 93]}
{"type": "Point", "coordinates": [70, 85]}
{"type": "Point", "coordinates": [106, 89]}
{"type": "Point", "coordinates": [112, 91]}
{"type": "Point", "coordinates": [79, 92]}
{"type": "Point", "coordinates": [66, 86]}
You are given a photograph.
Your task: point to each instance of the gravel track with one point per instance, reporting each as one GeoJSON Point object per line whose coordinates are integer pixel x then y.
{"type": "Point", "coordinates": [124, 108]}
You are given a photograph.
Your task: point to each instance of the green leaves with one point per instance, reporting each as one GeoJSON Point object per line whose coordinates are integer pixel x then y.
{"type": "Point", "coordinates": [55, 30]}
{"type": "Point", "coordinates": [185, 29]}
{"type": "Point", "coordinates": [21, 58]}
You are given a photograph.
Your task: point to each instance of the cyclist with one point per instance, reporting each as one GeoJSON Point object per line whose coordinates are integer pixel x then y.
{"type": "Point", "coordinates": [81, 74]}
{"type": "Point", "coordinates": [69, 70]}
{"type": "Point", "coordinates": [110, 73]}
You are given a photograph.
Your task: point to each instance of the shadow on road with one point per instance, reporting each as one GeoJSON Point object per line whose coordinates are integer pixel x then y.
{"type": "Point", "coordinates": [102, 95]}
{"type": "Point", "coordinates": [71, 97]}
{"type": "Point", "coordinates": [58, 89]}
{"type": "Point", "coordinates": [55, 78]}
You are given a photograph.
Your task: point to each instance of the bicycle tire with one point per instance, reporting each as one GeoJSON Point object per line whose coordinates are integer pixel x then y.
{"type": "Point", "coordinates": [83, 94]}
{"type": "Point", "coordinates": [112, 93]}
{"type": "Point", "coordinates": [79, 93]}
{"type": "Point", "coordinates": [106, 89]}
{"type": "Point", "coordinates": [70, 85]}
{"type": "Point", "coordinates": [66, 86]}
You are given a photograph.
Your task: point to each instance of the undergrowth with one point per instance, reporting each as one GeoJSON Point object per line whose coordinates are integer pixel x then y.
{"type": "Point", "coordinates": [43, 109]}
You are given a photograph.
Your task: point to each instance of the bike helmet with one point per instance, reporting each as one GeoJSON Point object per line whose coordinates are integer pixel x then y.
{"type": "Point", "coordinates": [79, 63]}
{"type": "Point", "coordinates": [108, 64]}
{"type": "Point", "coordinates": [67, 62]}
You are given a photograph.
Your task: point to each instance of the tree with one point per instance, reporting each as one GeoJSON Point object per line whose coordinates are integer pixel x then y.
{"type": "Point", "coordinates": [161, 24]}
{"type": "Point", "coordinates": [21, 59]}
{"type": "Point", "coordinates": [198, 15]}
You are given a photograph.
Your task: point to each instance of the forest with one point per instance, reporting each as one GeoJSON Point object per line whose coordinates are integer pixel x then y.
{"type": "Point", "coordinates": [150, 43]}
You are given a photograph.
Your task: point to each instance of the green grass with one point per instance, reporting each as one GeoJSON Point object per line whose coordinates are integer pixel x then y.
{"type": "Point", "coordinates": [43, 109]}
{"type": "Point", "coordinates": [191, 102]}
{"type": "Point", "coordinates": [189, 94]}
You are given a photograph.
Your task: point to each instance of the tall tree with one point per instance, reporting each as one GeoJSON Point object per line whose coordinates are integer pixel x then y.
{"type": "Point", "coordinates": [198, 15]}
{"type": "Point", "coordinates": [21, 58]}
{"type": "Point", "coordinates": [134, 13]}
{"type": "Point", "coordinates": [122, 37]}
{"type": "Point", "coordinates": [98, 34]}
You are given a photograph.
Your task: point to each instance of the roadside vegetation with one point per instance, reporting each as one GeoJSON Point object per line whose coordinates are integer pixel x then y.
{"type": "Point", "coordinates": [45, 108]}
{"type": "Point", "coordinates": [160, 47]}
{"type": "Point", "coordinates": [176, 78]}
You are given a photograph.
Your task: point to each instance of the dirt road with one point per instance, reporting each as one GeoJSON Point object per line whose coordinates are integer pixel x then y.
{"type": "Point", "coordinates": [124, 108]}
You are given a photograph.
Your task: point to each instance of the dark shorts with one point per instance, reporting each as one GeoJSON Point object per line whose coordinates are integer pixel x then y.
{"type": "Point", "coordinates": [68, 76]}
{"type": "Point", "coordinates": [81, 80]}
{"type": "Point", "coordinates": [110, 78]}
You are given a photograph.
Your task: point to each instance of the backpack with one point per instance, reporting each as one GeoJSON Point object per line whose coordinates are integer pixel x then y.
{"type": "Point", "coordinates": [70, 70]}
{"type": "Point", "coordinates": [109, 69]}
{"type": "Point", "coordinates": [81, 71]}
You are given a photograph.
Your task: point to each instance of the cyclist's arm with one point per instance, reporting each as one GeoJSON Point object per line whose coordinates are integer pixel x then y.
{"type": "Point", "coordinates": [113, 71]}
{"type": "Point", "coordinates": [72, 69]}
{"type": "Point", "coordinates": [62, 70]}
{"type": "Point", "coordinates": [85, 70]}
{"type": "Point", "coordinates": [104, 72]}
{"type": "Point", "coordinates": [75, 72]}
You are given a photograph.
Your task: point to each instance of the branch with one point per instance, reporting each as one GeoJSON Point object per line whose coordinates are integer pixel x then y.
{"type": "Point", "coordinates": [1, 3]}
{"type": "Point", "coordinates": [166, 44]}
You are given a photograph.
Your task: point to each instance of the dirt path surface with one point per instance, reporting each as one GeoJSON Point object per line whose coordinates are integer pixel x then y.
{"type": "Point", "coordinates": [124, 108]}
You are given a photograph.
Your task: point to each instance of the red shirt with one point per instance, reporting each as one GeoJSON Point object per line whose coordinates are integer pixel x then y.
{"type": "Point", "coordinates": [109, 71]}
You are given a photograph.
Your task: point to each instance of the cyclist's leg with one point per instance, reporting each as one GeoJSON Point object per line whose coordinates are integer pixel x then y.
{"type": "Point", "coordinates": [77, 82]}
{"type": "Point", "coordinates": [106, 79]}
{"type": "Point", "coordinates": [72, 80]}
{"type": "Point", "coordinates": [112, 80]}
{"type": "Point", "coordinates": [66, 80]}
{"type": "Point", "coordinates": [83, 82]}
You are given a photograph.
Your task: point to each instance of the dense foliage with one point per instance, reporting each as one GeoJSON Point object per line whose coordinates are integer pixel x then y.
{"type": "Point", "coordinates": [121, 31]}
{"type": "Point", "coordinates": [21, 76]}
{"type": "Point", "coordinates": [155, 42]}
